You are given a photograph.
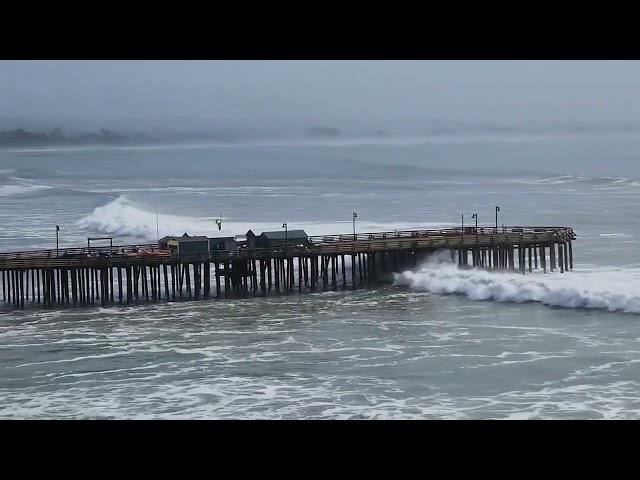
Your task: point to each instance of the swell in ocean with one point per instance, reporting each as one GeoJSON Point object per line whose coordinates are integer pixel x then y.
{"type": "Point", "coordinates": [599, 183]}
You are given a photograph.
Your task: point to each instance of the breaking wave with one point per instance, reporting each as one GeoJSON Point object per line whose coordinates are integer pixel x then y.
{"type": "Point", "coordinates": [611, 289]}
{"type": "Point", "coordinates": [123, 217]}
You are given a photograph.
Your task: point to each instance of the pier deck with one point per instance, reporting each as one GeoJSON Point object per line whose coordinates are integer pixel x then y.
{"type": "Point", "coordinates": [135, 273]}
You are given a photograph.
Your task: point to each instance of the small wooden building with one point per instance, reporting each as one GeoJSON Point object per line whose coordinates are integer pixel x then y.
{"type": "Point", "coordinates": [223, 241]}
{"type": "Point", "coordinates": [278, 238]}
{"type": "Point", "coordinates": [250, 240]}
{"type": "Point", "coordinates": [164, 241]}
{"type": "Point", "coordinates": [187, 245]}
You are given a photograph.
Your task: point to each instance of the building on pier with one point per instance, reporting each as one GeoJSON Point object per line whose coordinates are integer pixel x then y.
{"type": "Point", "coordinates": [223, 240]}
{"type": "Point", "coordinates": [278, 238]}
{"type": "Point", "coordinates": [187, 245]}
{"type": "Point", "coordinates": [250, 240]}
{"type": "Point", "coordinates": [164, 241]}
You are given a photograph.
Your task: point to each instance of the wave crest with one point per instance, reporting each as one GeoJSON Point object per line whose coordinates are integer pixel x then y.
{"type": "Point", "coordinates": [123, 217]}
{"type": "Point", "coordinates": [614, 290]}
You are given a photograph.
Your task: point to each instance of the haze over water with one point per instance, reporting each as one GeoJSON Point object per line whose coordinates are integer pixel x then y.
{"type": "Point", "coordinates": [438, 343]}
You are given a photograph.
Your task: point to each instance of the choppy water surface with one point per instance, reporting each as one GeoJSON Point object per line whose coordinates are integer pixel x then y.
{"type": "Point", "coordinates": [439, 343]}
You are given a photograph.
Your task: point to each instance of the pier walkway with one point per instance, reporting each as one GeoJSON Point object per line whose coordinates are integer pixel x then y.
{"type": "Point", "coordinates": [140, 273]}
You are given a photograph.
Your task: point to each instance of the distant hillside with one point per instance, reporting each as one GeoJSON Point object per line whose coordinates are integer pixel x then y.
{"type": "Point", "coordinates": [24, 137]}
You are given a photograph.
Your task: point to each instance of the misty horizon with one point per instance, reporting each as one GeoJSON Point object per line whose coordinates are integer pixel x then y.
{"type": "Point", "coordinates": [286, 98]}
{"type": "Point", "coordinates": [327, 132]}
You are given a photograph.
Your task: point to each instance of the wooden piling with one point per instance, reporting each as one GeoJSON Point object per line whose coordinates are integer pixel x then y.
{"type": "Point", "coordinates": [570, 255]}
{"type": "Point", "coordinates": [166, 272]}
{"type": "Point", "coordinates": [74, 286]}
{"type": "Point", "coordinates": [187, 278]}
{"type": "Point", "coordinates": [119, 270]}
{"type": "Point", "coordinates": [344, 275]}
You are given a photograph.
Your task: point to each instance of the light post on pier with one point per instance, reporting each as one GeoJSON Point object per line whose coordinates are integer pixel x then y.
{"type": "Point", "coordinates": [475, 215]}
{"type": "Point", "coordinates": [463, 227]}
{"type": "Point", "coordinates": [497, 210]}
{"type": "Point", "coordinates": [286, 232]}
{"type": "Point", "coordinates": [355, 215]}
{"type": "Point", "coordinates": [57, 249]}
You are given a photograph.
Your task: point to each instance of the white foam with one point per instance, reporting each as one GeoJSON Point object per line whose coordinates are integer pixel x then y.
{"type": "Point", "coordinates": [14, 190]}
{"type": "Point", "coordinates": [615, 290]}
{"type": "Point", "coordinates": [123, 217]}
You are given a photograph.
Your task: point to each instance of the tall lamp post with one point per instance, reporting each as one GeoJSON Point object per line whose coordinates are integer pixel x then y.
{"type": "Point", "coordinates": [475, 215]}
{"type": "Point", "coordinates": [355, 215]}
{"type": "Point", "coordinates": [57, 249]}
{"type": "Point", "coordinates": [286, 232]}
{"type": "Point", "coordinates": [463, 227]}
{"type": "Point", "coordinates": [497, 210]}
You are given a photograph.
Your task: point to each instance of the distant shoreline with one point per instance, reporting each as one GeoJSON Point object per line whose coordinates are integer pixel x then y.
{"type": "Point", "coordinates": [166, 143]}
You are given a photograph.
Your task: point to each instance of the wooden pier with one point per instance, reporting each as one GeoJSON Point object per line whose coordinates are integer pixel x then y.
{"type": "Point", "coordinates": [130, 274]}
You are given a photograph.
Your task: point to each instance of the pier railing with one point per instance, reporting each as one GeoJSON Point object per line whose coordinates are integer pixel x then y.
{"type": "Point", "coordinates": [151, 254]}
{"type": "Point", "coordinates": [442, 232]}
{"type": "Point", "coordinates": [148, 273]}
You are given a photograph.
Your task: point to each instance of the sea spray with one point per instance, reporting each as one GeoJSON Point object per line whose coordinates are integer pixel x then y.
{"type": "Point", "coordinates": [612, 289]}
{"type": "Point", "coordinates": [122, 216]}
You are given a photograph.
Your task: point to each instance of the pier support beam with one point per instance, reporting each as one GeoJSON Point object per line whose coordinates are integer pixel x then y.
{"type": "Point", "coordinates": [570, 255]}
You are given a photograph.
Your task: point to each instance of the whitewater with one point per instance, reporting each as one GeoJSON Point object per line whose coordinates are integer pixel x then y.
{"type": "Point", "coordinates": [611, 289]}
{"type": "Point", "coordinates": [123, 217]}
{"type": "Point", "coordinates": [437, 342]}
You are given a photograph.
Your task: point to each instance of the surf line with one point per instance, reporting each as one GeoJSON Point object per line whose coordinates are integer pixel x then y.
{"type": "Point", "coordinates": [181, 268]}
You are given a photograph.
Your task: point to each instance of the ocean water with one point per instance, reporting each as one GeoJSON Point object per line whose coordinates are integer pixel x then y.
{"type": "Point", "coordinates": [437, 343]}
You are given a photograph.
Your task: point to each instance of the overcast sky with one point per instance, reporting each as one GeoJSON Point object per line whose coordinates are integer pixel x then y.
{"type": "Point", "coordinates": [399, 96]}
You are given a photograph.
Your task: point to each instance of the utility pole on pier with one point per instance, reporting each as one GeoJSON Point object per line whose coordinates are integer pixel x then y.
{"type": "Point", "coordinates": [57, 249]}
{"type": "Point", "coordinates": [284, 225]}
{"type": "Point", "coordinates": [355, 215]}
{"type": "Point", "coordinates": [497, 210]}
{"type": "Point", "coordinates": [475, 215]}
